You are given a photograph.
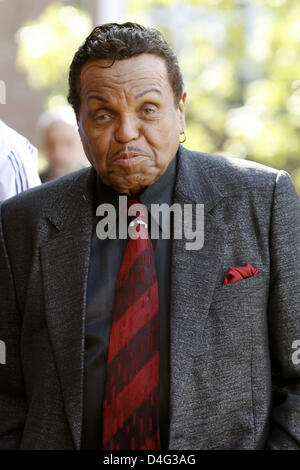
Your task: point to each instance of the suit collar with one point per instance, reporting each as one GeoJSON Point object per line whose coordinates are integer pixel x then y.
{"type": "Point", "coordinates": [193, 181]}
{"type": "Point", "coordinates": [74, 193]}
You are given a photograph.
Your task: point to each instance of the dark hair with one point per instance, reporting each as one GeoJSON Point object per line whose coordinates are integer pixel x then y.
{"type": "Point", "coordinates": [121, 41]}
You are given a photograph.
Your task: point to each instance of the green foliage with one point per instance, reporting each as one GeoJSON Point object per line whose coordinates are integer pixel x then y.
{"type": "Point", "coordinates": [243, 88]}
{"type": "Point", "coordinates": [240, 60]}
{"type": "Point", "coordinates": [47, 46]}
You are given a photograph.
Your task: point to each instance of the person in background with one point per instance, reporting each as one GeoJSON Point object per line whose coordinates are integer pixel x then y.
{"type": "Point", "coordinates": [18, 163]}
{"type": "Point", "coordinates": [60, 143]}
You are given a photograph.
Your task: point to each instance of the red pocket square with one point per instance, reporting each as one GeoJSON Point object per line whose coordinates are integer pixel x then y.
{"type": "Point", "coordinates": [238, 273]}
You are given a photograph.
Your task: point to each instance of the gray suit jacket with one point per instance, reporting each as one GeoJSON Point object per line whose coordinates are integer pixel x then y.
{"type": "Point", "coordinates": [233, 383]}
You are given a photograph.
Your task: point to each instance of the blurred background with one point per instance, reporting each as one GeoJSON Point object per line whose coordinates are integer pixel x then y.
{"type": "Point", "coordinates": [240, 61]}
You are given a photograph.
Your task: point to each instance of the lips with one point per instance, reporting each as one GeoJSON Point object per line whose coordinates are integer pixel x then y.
{"type": "Point", "coordinates": [128, 158]}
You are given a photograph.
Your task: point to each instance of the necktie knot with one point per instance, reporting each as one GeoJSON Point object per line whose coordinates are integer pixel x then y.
{"type": "Point", "coordinates": [139, 213]}
{"type": "Point", "coordinates": [130, 202]}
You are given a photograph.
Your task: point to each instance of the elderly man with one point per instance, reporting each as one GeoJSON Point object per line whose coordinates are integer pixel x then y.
{"type": "Point", "coordinates": [141, 342]}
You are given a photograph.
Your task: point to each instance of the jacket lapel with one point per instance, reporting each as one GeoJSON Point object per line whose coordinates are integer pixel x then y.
{"type": "Point", "coordinates": [68, 252]}
{"type": "Point", "coordinates": [194, 272]}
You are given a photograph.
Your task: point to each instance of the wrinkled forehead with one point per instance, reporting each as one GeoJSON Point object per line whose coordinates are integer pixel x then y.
{"type": "Point", "coordinates": [133, 74]}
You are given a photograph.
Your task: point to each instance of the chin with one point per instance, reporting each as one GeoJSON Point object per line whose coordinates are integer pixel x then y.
{"type": "Point", "coordinates": [128, 188]}
{"type": "Point", "coordinates": [129, 184]}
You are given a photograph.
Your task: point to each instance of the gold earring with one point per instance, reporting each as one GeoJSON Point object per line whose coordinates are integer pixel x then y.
{"type": "Point", "coordinates": [182, 141]}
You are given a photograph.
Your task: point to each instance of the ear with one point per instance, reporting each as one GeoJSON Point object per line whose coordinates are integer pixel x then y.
{"type": "Point", "coordinates": [181, 109]}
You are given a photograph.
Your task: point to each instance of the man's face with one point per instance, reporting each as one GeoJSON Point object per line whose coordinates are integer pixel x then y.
{"type": "Point", "coordinates": [62, 146]}
{"type": "Point", "coordinates": [128, 122]}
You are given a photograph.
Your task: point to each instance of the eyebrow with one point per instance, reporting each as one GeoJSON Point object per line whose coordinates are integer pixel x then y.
{"type": "Point", "coordinates": [139, 95]}
{"type": "Point", "coordinates": [97, 97]}
{"type": "Point", "coordinates": [142, 93]}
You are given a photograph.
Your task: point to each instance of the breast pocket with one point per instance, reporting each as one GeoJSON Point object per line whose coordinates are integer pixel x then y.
{"type": "Point", "coordinates": [236, 290]}
{"type": "Point", "coordinates": [236, 306]}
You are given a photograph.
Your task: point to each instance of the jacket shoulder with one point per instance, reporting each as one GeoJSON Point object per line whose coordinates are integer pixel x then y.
{"type": "Point", "coordinates": [35, 202]}
{"type": "Point", "coordinates": [234, 174]}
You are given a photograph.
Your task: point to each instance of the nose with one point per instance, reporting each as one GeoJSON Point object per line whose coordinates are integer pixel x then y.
{"type": "Point", "coordinates": [126, 129]}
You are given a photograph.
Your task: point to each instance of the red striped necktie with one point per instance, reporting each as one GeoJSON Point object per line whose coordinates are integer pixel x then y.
{"type": "Point", "coordinates": [131, 395]}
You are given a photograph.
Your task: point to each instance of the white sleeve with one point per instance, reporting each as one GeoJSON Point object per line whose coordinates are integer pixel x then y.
{"type": "Point", "coordinates": [18, 163]}
{"type": "Point", "coordinates": [10, 184]}
{"type": "Point", "coordinates": [29, 164]}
